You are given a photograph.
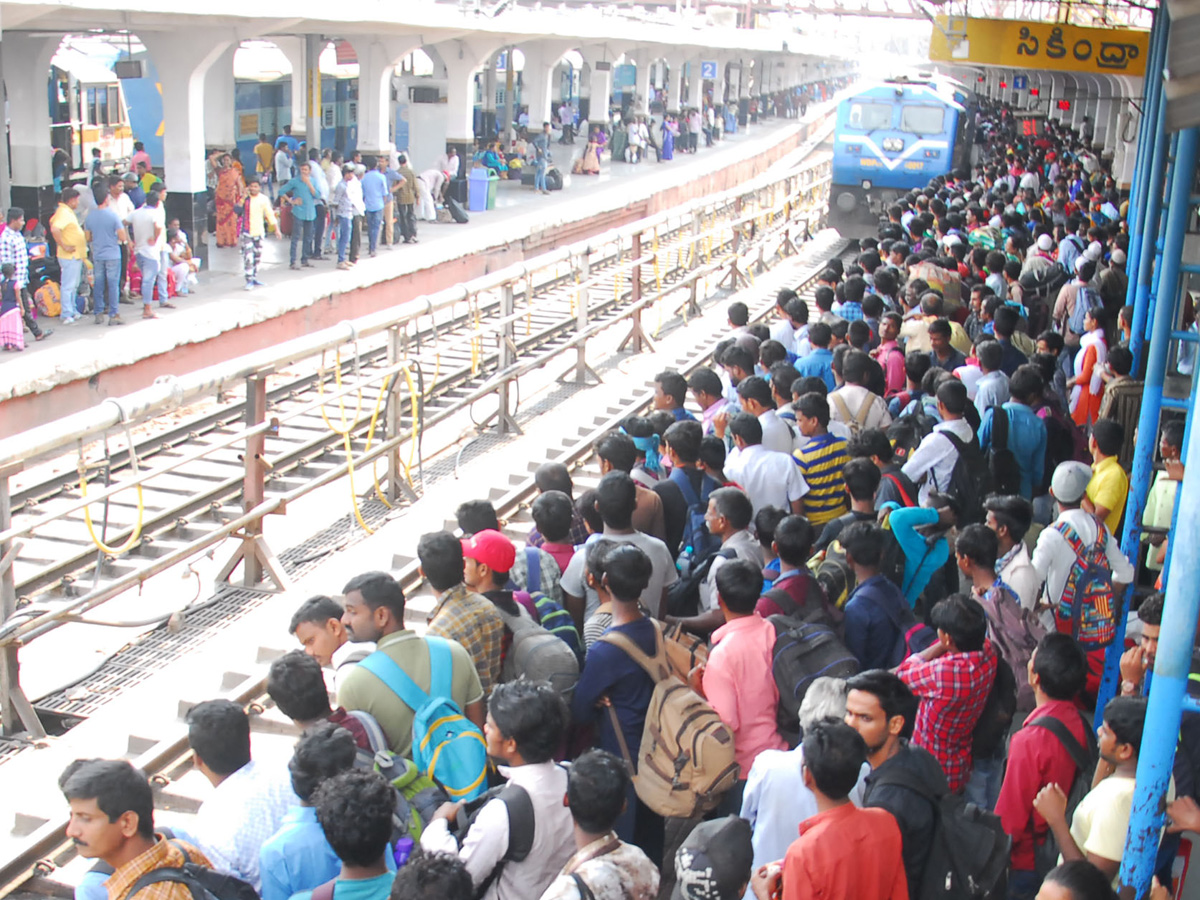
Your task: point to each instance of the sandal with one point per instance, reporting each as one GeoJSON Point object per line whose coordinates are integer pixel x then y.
{"type": "Point", "coordinates": [167, 306]}
{"type": "Point", "coordinates": [149, 314]}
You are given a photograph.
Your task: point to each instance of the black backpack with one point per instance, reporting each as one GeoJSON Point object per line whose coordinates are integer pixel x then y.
{"type": "Point", "coordinates": [683, 597]}
{"type": "Point", "coordinates": [970, 481]}
{"type": "Point", "coordinates": [521, 823]}
{"type": "Point", "coordinates": [816, 606]}
{"type": "Point", "coordinates": [804, 652]}
{"type": "Point", "coordinates": [1006, 471]}
{"type": "Point", "coordinates": [203, 882]}
{"type": "Point", "coordinates": [1046, 853]}
{"type": "Point", "coordinates": [969, 855]}
{"type": "Point", "coordinates": [997, 717]}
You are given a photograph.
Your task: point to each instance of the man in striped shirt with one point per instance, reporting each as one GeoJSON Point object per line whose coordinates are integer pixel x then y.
{"type": "Point", "coordinates": [820, 460]}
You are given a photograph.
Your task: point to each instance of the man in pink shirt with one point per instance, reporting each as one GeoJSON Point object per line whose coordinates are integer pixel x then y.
{"type": "Point", "coordinates": [889, 355]}
{"type": "Point", "coordinates": [737, 680]}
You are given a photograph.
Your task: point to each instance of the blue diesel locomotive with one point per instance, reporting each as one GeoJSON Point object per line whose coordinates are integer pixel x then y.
{"type": "Point", "coordinates": [890, 137]}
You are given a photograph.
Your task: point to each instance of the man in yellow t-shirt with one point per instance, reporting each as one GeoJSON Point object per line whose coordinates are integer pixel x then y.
{"type": "Point", "coordinates": [72, 251]}
{"type": "Point", "coordinates": [264, 159]}
{"type": "Point", "coordinates": [1109, 486]}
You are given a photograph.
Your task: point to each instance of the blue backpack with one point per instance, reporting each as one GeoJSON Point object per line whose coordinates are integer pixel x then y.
{"type": "Point", "coordinates": [446, 745]}
{"type": "Point", "coordinates": [696, 543]}
{"type": "Point", "coordinates": [552, 617]}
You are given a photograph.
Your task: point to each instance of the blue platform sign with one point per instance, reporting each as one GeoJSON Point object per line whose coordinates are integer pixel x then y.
{"type": "Point", "coordinates": [708, 70]}
{"type": "Point", "coordinates": [1020, 82]}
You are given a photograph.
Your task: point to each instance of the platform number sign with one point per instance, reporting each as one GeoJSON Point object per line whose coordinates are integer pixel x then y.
{"type": "Point", "coordinates": [708, 70]}
{"type": "Point", "coordinates": [1020, 82]}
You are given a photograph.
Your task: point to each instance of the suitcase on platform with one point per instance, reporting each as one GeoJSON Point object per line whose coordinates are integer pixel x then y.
{"type": "Point", "coordinates": [457, 213]}
{"type": "Point", "coordinates": [285, 219]}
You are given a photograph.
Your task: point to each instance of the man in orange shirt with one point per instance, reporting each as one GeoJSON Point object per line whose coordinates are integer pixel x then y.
{"type": "Point", "coordinates": [112, 819]}
{"type": "Point", "coordinates": [842, 851]}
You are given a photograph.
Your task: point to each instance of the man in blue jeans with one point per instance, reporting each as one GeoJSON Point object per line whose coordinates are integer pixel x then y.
{"type": "Point", "coordinates": [303, 195]}
{"type": "Point", "coordinates": [105, 235]}
{"type": "Point", "coordinates": [375, 197]}
{"type": "Point", "coordinates": [149, 235]}
{"type": "Point", "coordinates": [347, 203]}
{"type": "Point", "coordinates": [541, 158]}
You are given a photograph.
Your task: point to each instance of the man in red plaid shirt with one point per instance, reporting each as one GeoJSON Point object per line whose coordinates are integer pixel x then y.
{"type": "Point", "coordinates": [952, 677]}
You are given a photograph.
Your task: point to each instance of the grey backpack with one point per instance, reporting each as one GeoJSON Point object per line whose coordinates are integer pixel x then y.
{"type": "Point", "coordinates": [538, 655]}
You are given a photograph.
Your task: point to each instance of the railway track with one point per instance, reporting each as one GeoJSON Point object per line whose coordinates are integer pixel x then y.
{"type": "Point", "coordinates": [60, 562]}
{"type": "Point", "coordinates": [33, 864]}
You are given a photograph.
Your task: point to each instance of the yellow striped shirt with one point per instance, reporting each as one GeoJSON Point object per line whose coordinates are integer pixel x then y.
{"type": "Point", "coordinates": [821, 461]}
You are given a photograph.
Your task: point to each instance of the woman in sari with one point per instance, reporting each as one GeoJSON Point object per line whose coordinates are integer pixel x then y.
{"type": "Point", "coordinates": [231, 191]}
{"type": "Point", "coordinates": [591, 154]}
{"type": "Point", "coordinates": [1087, 386]}
{"type": "Point", "coordinates": [668, 139]}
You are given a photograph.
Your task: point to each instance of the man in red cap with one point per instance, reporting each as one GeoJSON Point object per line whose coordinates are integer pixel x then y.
{"type": "Point", "coordinates": [461, 614]}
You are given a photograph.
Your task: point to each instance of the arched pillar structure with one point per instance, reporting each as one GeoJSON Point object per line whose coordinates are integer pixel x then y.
{"type": "Point", "coordinates": [377, 59]}
{"type": "Point", "coordinates": [462, 59]}
{"type": "Point", "coordinates": [25, 65]}
{"type": "Point", "coordinates": [182, 59]}
{"type": "Point", "coordinates": [220, 101]}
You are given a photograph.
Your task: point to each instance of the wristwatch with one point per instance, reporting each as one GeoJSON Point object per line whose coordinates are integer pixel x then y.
{"type": "Point", "coordinates": [1128, 688]}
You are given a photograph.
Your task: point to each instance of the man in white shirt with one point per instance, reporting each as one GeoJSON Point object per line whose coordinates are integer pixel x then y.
{"type": "Point", "coordinates": [1053, 557]}
{"type": "Point", "coordinates": [248, 801]}
{"type": "Point", "coordinates": [1010, 517]}
{"type": "Point", "coordinates": [525, 724]}
{"type": "Point", "coordinates": [769, 477]}
{"type": "Point", "coordinates": [616, 500]}
{"type": "Point", "coordinates": [932, 463]}
{"type": "Point", "coordinates": [317, 625]}
{"type": "Point", "coordinates": [149, 227]}
{"type": "Point", "coordinates": [991, 388]}
{"type": "Point", "coordinates": [756, 398]}
{"type": "Point", "coordinates": [852, 404]}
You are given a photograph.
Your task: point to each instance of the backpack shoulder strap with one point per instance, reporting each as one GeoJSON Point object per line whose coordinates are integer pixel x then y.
{"type": "Point", "coordinates": [783, 600]}
{"type": "Point", "coordinates": [843, 409]}
{"type": "Point", "coordinates": [157, 876]}
{"type": "Point", "coordinates": [1000, 423]}
{"type": "Point", "coordinates": [533, 569]}
{"type": "Point", "coordinates": [860, 417]}
{"type": "Point", "coordinates": [375, 736]}
{"type": "Point", "coordinates": [397, 680]}
{"type": "Point", "coordinates": [324, 891]}
{"type": "Point", "coordinates": [653, 665]}
{"type": "Point", "coordinates": [441, 667]}
{"type": "Point", "coordinates": [521, 821]}
{"type": "Point", "coordinates": [585, 892]}
{"type": "Point", "coordinates": [1059, 729]}
{"type": "Point", "coordinates": [685, 487]}
{"type": "Point", "coordinates": [891, 476]}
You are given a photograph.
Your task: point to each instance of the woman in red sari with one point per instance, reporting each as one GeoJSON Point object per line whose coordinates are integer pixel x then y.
{"type": "Point", "coordinates": [231, 191]}
{"type": "Point", "coordinates": [1087, 386]}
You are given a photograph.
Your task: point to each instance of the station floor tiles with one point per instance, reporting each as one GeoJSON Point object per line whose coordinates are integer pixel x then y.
{"type": "Point", "coordinates": [221, 282]}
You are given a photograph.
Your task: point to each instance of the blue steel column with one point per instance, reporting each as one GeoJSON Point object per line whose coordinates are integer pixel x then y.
{"type": "Point", "coordinates": [1143, 230]}
{"type": "Point", "coordinates": [1156, 321]}
{"type": "Point", "coordinates": [1173, 660]}
{"type": "Point", "coordinates": [1148, 121]}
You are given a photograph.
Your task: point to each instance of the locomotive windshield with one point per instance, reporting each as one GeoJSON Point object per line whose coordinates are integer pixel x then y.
{"type": "Point", "coordinates": [869, 116]}
{"type": "Point", "coordinates": [922, 119]}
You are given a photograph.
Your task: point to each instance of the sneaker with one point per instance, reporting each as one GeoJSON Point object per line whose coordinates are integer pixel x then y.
{"type": "Point", "coordinates": [371, 254]}
{"type": "Point", "coordinates": [65, 322]}
{"type": "Point", "coordinates": [99, 318]}
{"type": "Point", "coordinates": [257, 283]}
{"type": "Point", "coordinates": [343, 265]}
{"type": "Point", "coordinates": [117, 320]}
{"type": "Point", "coordinates": [249, 286]}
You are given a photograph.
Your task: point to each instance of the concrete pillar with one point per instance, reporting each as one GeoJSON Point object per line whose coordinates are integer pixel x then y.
{"type": "Point", "coordinates": [294, 48]}
{"type": "Point", "coordinates": [488, 79]}
{"type": "Point", "coordinates": [643, 90]}
{"type": "Point", "coordinates": [675, 66]}
{"type": "Point", "coordinates": [376, 63]}
{"type": "Point", "coordinates": [463, 58]}
{"type": "Point", "coordinates": [601, 94]}
{"type": "Point", "coordinates": [536, 90]}
{"type": "Point", "coordinates": [25, 65]}
{"type": "Point", "coordinates": [182, 59]}
{"type": "Point", "coordinates": [219, 117]}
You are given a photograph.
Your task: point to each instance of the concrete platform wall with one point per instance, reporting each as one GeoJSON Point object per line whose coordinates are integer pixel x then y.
{"type": "Point", "coordinates": [27, 410]}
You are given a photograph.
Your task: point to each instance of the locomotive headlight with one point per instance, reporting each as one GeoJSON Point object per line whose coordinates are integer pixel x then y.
{"type": "Point", "coordinates": [893, 145]}
{"type": "Point", "coordinates": [866, 184]}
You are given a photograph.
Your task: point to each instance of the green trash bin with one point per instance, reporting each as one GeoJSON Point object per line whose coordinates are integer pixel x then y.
{"type": "Point", "coordinates": [493, 182]}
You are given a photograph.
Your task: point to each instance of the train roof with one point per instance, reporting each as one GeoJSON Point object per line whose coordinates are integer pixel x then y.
{"type": "Point", "coordinates": [935, 88]}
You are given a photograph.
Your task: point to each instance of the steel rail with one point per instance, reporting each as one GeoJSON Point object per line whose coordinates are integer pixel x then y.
{"type": "Point", "coordinates": [46, 848]}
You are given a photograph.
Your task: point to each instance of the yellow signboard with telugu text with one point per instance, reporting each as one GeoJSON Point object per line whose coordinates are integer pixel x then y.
{"type": "Point", "coordinates": [1037, 45]}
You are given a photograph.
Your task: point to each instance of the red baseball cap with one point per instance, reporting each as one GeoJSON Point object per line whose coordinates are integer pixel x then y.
{"type": "Point", "coordinates": [492, 549]}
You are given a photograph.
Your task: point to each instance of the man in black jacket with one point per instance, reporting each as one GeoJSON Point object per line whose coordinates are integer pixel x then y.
{"type": "Point", "coordinates": [881, 708]}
